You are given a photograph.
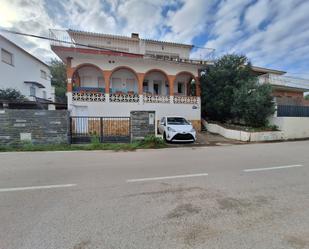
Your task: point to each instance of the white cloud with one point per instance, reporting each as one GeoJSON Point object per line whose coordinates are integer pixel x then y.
{"type": "Point", "coordinates": [272, 33]}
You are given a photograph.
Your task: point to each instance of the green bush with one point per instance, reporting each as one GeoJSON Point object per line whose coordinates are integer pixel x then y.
{"type": "Point", "coordinates": [231, 93]}
{"type": "Point", "coordinates": [152, 141]}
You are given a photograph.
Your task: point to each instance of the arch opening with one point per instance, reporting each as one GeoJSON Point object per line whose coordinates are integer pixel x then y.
{"type": "Point", "coordinates": [156, 83]}
{"type": "Point", "coordinates": [185, 84]}
{"type": "Point", "coordinates": [88, 78]}
{"type": "Point", "coordinates": [124, 80]}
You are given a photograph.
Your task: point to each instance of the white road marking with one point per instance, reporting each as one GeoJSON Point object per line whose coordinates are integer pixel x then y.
{"type": "Point", "coordinates": [166, 177]}
{"type": "Point", "coordinates": [36, 187]}
{"type": "Point", "coordinates": [274, 168]}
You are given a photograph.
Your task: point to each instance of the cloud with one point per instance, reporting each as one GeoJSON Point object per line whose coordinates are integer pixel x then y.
{"type": "Point", "coordinates": [272, 33]}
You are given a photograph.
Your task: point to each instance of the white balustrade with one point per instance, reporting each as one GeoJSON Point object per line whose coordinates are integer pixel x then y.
{"type": "Point", "coordinates": [156, 99]}
{"type": "Point", "coordinates": [88, 97]}
{"type": "Point", "coordinates": [185, 100]}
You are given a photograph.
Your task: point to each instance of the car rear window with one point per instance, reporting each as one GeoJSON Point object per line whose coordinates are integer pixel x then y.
{"type": "Point", "coordinates": [177, 121]}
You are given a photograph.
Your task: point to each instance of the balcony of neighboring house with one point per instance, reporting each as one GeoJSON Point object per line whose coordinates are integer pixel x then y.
{"type": "Point", "coordinates": [284, 82]}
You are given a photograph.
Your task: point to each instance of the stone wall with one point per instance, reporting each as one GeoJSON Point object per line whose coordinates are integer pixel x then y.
{"type": "Point", "coordinates": [142, 124]}
{"type": "Point", "coordinates": [37, 126]}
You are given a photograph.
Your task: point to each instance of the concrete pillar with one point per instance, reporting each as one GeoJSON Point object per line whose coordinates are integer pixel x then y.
{"type": "Point", "coordinates": [107, 77]}
{"type": "Point", "coordinates": [171, 80]}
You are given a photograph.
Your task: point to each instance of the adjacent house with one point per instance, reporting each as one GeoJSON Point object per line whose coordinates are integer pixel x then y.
{"type": "Point", "coordinates": [24, 72]}
{"type": "Point", "coordinates": [111, 75]}
{"type": "Point", "coordinates": [287, 90]}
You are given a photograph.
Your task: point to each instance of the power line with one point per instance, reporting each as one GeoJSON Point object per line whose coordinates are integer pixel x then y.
{"type": "Point", "coordinates": [80, 44]}
{"type": "Point", "coordinates": [61, 41]}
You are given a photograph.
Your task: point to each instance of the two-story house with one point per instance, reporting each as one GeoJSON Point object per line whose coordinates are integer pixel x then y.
{"type": "Point", "coordinates": [111, 75]}
{"type": "Point", "coordinates": [24, 72]}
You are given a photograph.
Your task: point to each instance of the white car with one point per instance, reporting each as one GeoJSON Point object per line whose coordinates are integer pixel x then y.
{"type": "Point", "coordinates": [177, 129]}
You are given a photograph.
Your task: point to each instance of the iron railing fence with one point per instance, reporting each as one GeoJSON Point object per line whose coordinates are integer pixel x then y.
{"type": "Point", "coordinates": [292, 111]}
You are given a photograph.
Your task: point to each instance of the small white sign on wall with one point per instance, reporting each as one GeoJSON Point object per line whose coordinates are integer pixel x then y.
{"type": "Point", "coordinates": [25, 136]}
{"type": "Point", "coordinates": [151, 118]}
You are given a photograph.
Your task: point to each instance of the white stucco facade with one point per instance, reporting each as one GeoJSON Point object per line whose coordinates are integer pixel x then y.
{"type": "Point", "coordinates": [24, 68]}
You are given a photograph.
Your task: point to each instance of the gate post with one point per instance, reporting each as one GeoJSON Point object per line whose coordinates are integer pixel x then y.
{"type": "Point", "coordinates": [70, 130]}
{"type": "Point", "coordinates": [101, 129]}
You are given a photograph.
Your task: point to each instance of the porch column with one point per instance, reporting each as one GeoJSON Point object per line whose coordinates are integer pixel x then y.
{"type": "Point", "coordinates": [70, 72]}
{"type": "Point", "coordinates": [107, 75]}
{"type": "Point", "coordinates": [140, 78]}
{"type": "Point", "coordinates": [197, 87]}
{"type": "Point", "coordinates": [171, 80]}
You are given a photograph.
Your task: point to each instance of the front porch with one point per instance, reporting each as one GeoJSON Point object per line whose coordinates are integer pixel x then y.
{"type": "Point", "coordinates": [89, 84]}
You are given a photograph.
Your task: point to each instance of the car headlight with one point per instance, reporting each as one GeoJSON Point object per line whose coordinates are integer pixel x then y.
{"type": "Point", "coordinates": [170, 129]}
{"type": "Point", "coordinates": [192, 130]}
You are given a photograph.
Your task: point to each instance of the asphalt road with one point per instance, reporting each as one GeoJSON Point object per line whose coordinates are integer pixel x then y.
{"type": "Point", "coordinates": [240, 196]}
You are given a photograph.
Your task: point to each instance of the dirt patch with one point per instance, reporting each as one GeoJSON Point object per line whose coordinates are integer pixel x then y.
{"type": "Point", "coordinates": [297, 242]}
{"type": "Point", "coordinates": [183, 210]}
{"type": "Point", "coordinates": [82, 245]}
{"type": "Point", "coordinates": [197, 234]}
{"type": "Point", "coordinates": [241, 204]}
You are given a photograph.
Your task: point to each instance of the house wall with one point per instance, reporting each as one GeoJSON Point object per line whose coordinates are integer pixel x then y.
{"type": "Point", "coordinates": [140, 65]}
{"type": "Point", "coordinates": [127, 44]}
{"type": "Point", "coordinates": [25, 68]}
{"type": "Point", "coordinates": [97, 109]}
{"type": "Point", "coordinates": [286, 97]}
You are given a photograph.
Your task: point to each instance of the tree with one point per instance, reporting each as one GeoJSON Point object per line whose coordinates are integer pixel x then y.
{"type": "Point", "coordinates": [58, 72]}
{"type": "Point", "coordinates": [11, 94]}
{"type": "Point", "coordinates": [230, 92]}
{"type": "Point", "coordinates": [307, 97]}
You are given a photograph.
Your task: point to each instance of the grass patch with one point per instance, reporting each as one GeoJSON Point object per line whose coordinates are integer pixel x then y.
{"type": "Point", "coordinates": [150, 142]}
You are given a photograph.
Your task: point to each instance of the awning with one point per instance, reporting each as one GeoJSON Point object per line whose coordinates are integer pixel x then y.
{"type": "Point", "coordinates": [39, 85]}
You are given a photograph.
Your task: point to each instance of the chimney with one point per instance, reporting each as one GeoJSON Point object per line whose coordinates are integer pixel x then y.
{"type": "Point", "coordinates": [135, 35]}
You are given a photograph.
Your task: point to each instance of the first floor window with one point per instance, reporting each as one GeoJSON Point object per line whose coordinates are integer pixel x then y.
{"type": "Point", "coordinates": [32, 91]}
{"type": "Point", "coordinates": [6, 57]}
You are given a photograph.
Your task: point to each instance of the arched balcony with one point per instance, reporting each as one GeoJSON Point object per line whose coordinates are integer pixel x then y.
{"type": "Point", "coordinates": [185, 88]}
{"type": "Point", "coordinates": [124, 85]}
{"type": "Point", "coordinates": [156, 87]}
{"type": "Point", "coordinates": [88, 83]}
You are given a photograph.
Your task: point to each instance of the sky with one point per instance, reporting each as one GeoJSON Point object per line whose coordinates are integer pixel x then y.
{"type": "Point", "coordinates": [271, 33]}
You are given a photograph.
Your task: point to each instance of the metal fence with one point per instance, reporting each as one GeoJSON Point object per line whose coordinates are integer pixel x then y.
{"type": "Point", "coordinates": [292, 111]}
{"type": "Point", "coordinates": [106, 129]}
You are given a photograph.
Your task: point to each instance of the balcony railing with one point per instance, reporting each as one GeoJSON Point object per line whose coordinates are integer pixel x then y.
{"type": "Point", "coordinates": [284, 81]}
{"type": "Point", "coordinates": [148, 98]}
{"type": "Point", "coordinates": [185, 100]}
{"type": "Point", "coordinates": [88, 97]}
{"type": "Point", "coordinates": [131, 97]}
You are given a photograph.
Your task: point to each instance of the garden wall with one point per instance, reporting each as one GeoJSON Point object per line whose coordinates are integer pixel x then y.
{"type": "Point", "coordinates": [293, 127]}
{"type": "Point", "coordinates": [37, 126]}
{"type": "Point", "coordinates": [245, 135]}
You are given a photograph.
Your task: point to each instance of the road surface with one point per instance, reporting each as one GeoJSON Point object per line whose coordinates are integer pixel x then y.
{"type": "Point", "coordinates": [240, 196]}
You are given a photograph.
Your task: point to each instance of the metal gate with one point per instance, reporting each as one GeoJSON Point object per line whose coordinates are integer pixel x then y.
{"type": "Point", "coordinates": [106, 129]}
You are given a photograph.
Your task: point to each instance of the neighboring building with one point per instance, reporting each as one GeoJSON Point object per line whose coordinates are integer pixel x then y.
{"type": "Point", "coordinates": [286, 90]}
{"type": "Point", "coordinates": [116, 74]}
{"type": "Point", "coordinates": [24, 72]}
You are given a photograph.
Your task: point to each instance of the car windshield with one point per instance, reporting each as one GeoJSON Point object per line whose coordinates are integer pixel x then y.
{"type": "Point", "coordinates": [177, 121]}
